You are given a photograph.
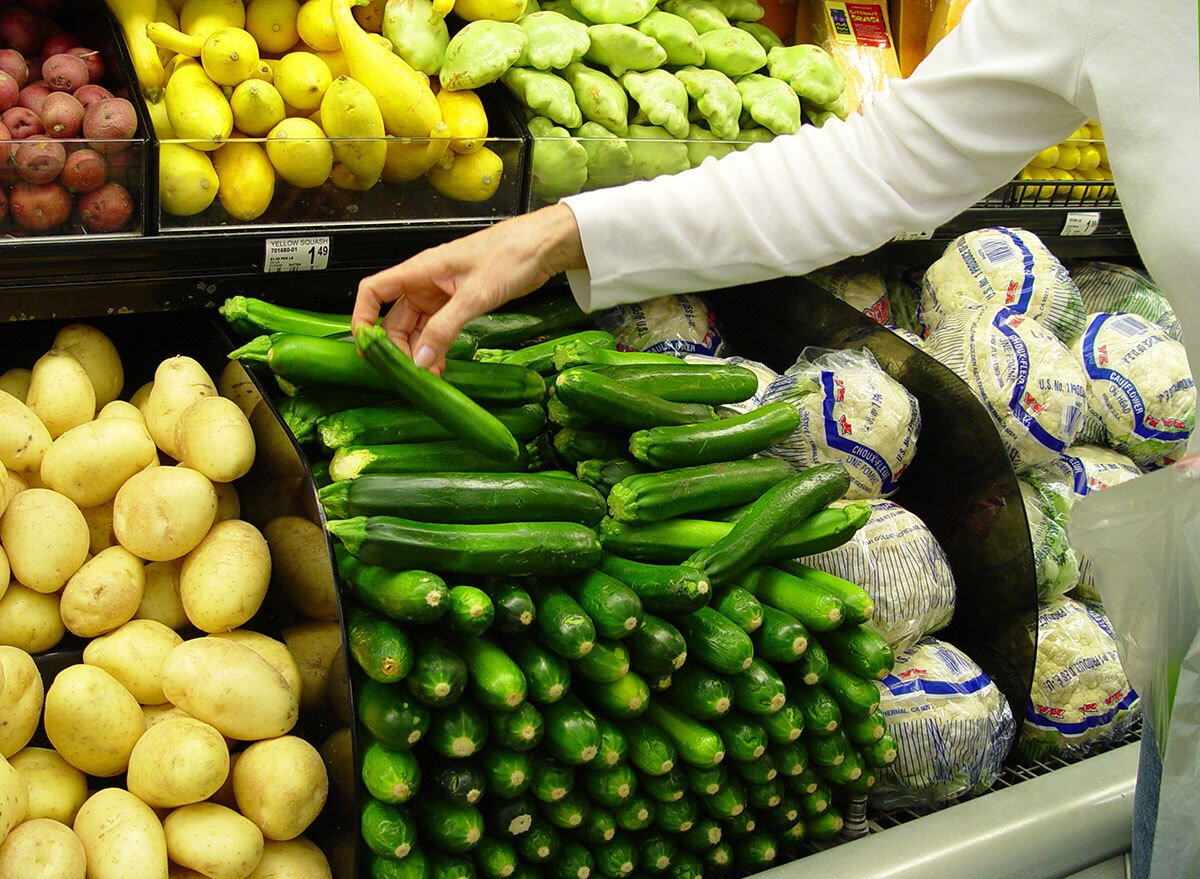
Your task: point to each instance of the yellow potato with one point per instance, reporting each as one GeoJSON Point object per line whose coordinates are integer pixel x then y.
{"type": "Point", "coordinates": [297, 858]}
{"type": "Point", "coordinates": [213, 436]}
{"type": "Point", "coordinates": [224, 579]}
{"type": "Point", "coordinates": [313, 645]}
{"type": "Point", "coordinates": [33, 479]}
{"type": "Point", "coordinates": [42, 848]}
{"type": "Point", "coordinates": [21, 696]}
{"type": "Point", "coordinates": [11, 485]}
{"type": "Point", "coordinates": [60, 392]}
{"type": "Point", "coordinates": [337, 752]}
{"type": "Point", "coordinates": [30, 620]}
{"type": "Point", "coordinates": [16, 382]}
{"type": "Point", "coordinates": [122, 837]}
{"type": "Point", "coordinates": [141, 396]}
{"type": "Point", "coordinates": [281, 786]}
{"type": "Point", "coordinates": [213, 840]}
{"type": "Point", "coordinates": [160, 598]}
{"type": "Point", "coordinates": [162, 513]}
{"type": "Point", "coordinates": [178, 761]}
{"type": "Point", "coordinates": [231, 687]}
{"type": "Point", "coordinates": [300, 566]}
{"type": "Point", "coordinates": [5, 572]}
{"type": "Point", "coordinates": [224, 795]}
{"type": "Point", "coordinates": [228, 504]}
{"type": "Point", "coordinates": [235, 383]}
{"type": "Point", "coordinates": [46, 538]}
{"type": "Point", "coordinates": [121, 409]}
{"type": "Point", "coordinates": [56, 788]}
{"type": "Point", "coordinates": [134, 654]}
{"type": "Point", "coordinates": [103, 594]}
{"type": "Point", "coordinates": [23, 437]}
{"type": "Point", "coordinates": [274, 652]}
{"type": "Point", "coordinates": [14, 798]}
{"type": "Point", "coordinates": [178, 382]}
{"type": "Point", "coordinates": [89, 463]}
{"type": "Point", "coordinates": [337, 687]}
{"type": "Point", "coordinates": [276, 451]}
{"type": "Point", "coordinates": [100, 527]}
{"type": "Point", "coordinates": [92, 721]}
{"type": "Point", "coordinates": [98, 356]}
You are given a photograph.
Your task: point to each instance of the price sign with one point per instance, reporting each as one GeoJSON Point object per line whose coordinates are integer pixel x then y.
{"type": "Point", "coordinates": [296, 254]}
{"type": "Point", "coordinates": [1080, 223]}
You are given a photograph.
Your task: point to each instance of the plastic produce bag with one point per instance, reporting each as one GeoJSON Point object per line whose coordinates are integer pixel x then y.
{"type": "Point", "coordinates": [851, 412]}
{"type": "Point", "coordinates": [952, 725]}
{"type": "Point", "coordinates": [679, 325]}
{"type": "Point", "coordinates": [904, 298]}
{"type": "Point", "coordinates": [900, 564]}
{"type": "Point", "coordinates": [1047, 511]}
{"type": "Point", "coordinates": [1080, 696]}
{"type": "Point", "coordinates": [865, 290]}
{"type": "Point", "coordinates": [765, 374]}
{"type": "Point", "coordinates": [1106, 286]}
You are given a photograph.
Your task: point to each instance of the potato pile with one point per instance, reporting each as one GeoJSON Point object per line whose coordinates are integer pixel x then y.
{"type": "Point", "coordinates": [120, 524]}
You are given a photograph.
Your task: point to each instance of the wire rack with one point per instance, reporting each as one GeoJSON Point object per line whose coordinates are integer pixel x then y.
{"type": "Point", "coordinates": [1053, 194]}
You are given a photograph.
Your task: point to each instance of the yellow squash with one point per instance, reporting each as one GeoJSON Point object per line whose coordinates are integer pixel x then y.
{"type": "Point", "coordinates": [257, 107]}
{"type": "Point", "coordinates": [187, 182]}
{"type": "Point", "coordinates": [247, 179]}
{"type": "Point", "coordinates": [463, 112]}
{"type": "Point", "coordinates": [314, 23]}
{"type": "Point", "coordinates": [201, 17]}
{"type": "Point", "coordinates": [196, 108]}
{"type": "Point", "coordinates": [494, 10]}
{"type": "Point", "coordinates": [471, 177]}
{"type": "Point", "coordinates": [349, 110]}
{"type": "Point", "coordinates": [273, 24]}
{"type": "Point", "coordinates": [300, 153]}
{"type": "Point", "coordinates": [409, 159]}
{"type": "Point", "coordinates": [133, 16]}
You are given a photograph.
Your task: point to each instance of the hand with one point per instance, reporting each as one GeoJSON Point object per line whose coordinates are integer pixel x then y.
{"type": "Point", "coordinates": [440, 289]}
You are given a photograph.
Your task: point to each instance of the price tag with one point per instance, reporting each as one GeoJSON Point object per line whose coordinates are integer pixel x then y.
{"type": "Point", "coordinates": [914, 236]}
{"type": "Point", "coordinates": [1080, 223]}
{"type": "Point", "coordinates": [296, 254]}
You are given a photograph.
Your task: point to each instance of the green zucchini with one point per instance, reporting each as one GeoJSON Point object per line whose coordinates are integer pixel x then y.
{"type": "Point", "coordinates": [791, 837]}
{"type": "Point", "coordinates": [855, 696]}
{"type": "Point", "coordinates": [397, 422]}
{"type": "Point", "coordinates": [600, 828]}
{"type": "Point", "coordinates": [622, 699]}
{"type": "Point", "coordinates": [391, 715]}
{"type": "Point", "coordinates": [758, 851]}
{"type": "Point", "coordinates": [495, 858]}
{"type": "Point", "coordinates": [863, 783]}
{"type": "Point", "coordinates": [447, 866]}
{"type": "Point", "coordinates": [249, 315]}
{"type": "Point", "coordinates": [671, 589]}
{"type": "Point", "coordinates": [656, 647]}
{"type": "Point", "coordinates": [616, 858]}
{"type": "Point", "coordinates": [572, 735]}
{"type": "Point", "coordinates": [519, 729]}
{"type": "Point", "coordinates": [636, 813]}
{"type": "Point", "coordinates": [745, 738]}
{"type": "Point", "coordinates": [665, 788]}
{"type": "Point", "coordinates": [742, 824]}
{"type": "Point", "coordinates": [720, 857]}
{"type": "Point", "coordinates": [697, 744]}
{"type": "Point", "coordinates": [603, 474]}
{"type": "Point", "coordinates": [822, 715]}
{"type": "Point", "coordinates": [514, 608]}
{"type": "Point", "coordinates": [881, 752]}
{"type": "Point", "coordinates": [728, 439]}
{"type": "Point", "coordinates": [470, 612]}
{"type": "Point", "coordinates": [320, 473]}
{"type": "Point", "coordinates": [606, 662]}
{"type": "Point", "coordinates": [560, 414]}
{"type": "Point", "coordinates": [620, 405]}
{"type": "Point", "coordinates": [547, 675]}
{"type": "Point", "coordinates": [568, 812]}
{"type": "Point", "coordinates": [828, 750]}
{"type": "Point", "coordinates": [705, 833]}
{"type": "Point", "coordinates": [819, 609]}
{"type": "Point", "coordinates": [353, 462]}
{"type": "Point", "coordinates": [506, 772]}
{"type": "Point", "coordinates": [509, 819]}
{"type": "Point", "coordinates": [781, 638]}
{"type": "Point", "coordinates": [784, 725]}
{"type": "Point", "coordinates": [551, 779]}
{"type": "Point", "coordinates": [613, 744]}
{"type": "Point", "coordinates": [706, 782]}
{"type": "Point", "coordinates": [610, 787]}
{"type": "Point", "coordinates": [758, 771]}
{"type": "Point", "coordinates": [457, 730]}
{"type": "Point", "coordinates": [526, 320]}
{"type": "Point", "coordinates": [817, 801]}
{"type": "Point", "coordinates": [657, 852]}
{"type": "Point", "coordinates": [413, 866]}
{"type": "Point", "coordinates": [381, 648]}
{"type": "Point", "coordinates": [388, 830]}
{"type": "Point", "coordinates": [573, 353]}
{"type": "Point", "coordinates": [759, 689]}
{"type": "Point", "coordinates": [526, 870]}
{"type": "Point", "coordinates": [791, 758]}
{"type": "Point", "coordinates": [686, 865]}
{"type": "Point", "coordinates": [540, 357]}
{"type": "Point", "coordinates": [303, 414]}
{"type": "Point", "coordinates": [867, 730]}
{"type": "Point", "coordinates": [659, 685]}
{"type": "Point", "coordinates": [574, 861]}
{"type": "Point", "coordinates": [614, 608]}
{"type": "Point", "coordinates": [541, 844]}
{"type": "Point", "coordinates": [825, 826]}
{"type": "Point", "coordinates": [700, 693]}
{"type": "Point", "coordinates": [783, 815]}
{"type": "Point", "coordinates": [779, 508]}
{"type": "Point", "coordinates": [513, 549]}
{"type": "Point", "coordinates": [390, 776]}
{"type": "Point", "coordinates": [740, 607]}
{"type": "Point", "coordinates": [716, 641]}
{"type": "Point", "coordinates": [679, 382]}
{"type": "Point", "coordinates": [562, 624]}
{"type": "Point", "coordinates": [861, 650]}
{"type": "Point", "coordinates": [677, 817]}
{"type": "Point", "coordinates": [438, 675]}
{"type": "Point", "coordinates": [729, 801]}
{"type": "Point", "coordinates": [860, 606]}
{"type": "Point", "coordinates": [651, 497]}
{"type": "Point", "coordinates": [846, 771]}
{"type": "Point", "coordinates": [466, 498]}
{"type": "Point", "coordinates": [814, 664]}
{"type": "Point", "coordinates": [405, 596]}
{"type": "Point", "coordinates": [806, 782]}
{"type": "Point", "coordinates": [649, 748]}
{"type": "Point", "coordinates": [461, 782]}
{"type": "Point", "coordinates": [578, 444]}
{"type": "Point", "coordinates": [765, 795]}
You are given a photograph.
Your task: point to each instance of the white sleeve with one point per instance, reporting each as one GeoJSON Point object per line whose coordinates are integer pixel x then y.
{"type": "Point", "coordinates": [995, 91]}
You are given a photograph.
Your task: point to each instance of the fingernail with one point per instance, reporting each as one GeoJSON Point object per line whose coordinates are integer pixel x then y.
{"type": "Point", "coordinates": [425, 357]}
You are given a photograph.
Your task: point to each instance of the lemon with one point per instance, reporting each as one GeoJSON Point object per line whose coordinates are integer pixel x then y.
{"type": "Point", "coordinates": [247, 179]}
{"type": "Point", "coordinates": [187, 181]}
{"type": "Point", "coordinates": [1097, 130]}
{"type": "Point", "coordinates": [469, 176]}
{"type": "Point", "coordinates": [300, 153]}
{"type": "Point", "coordinates": [229, 56]}
{"type": "Point", "coordinates": [1032, 172]}
{"type": "Point", "coordinates": [1103, 150]}
{"type": "Point", "coordinates": [272, 23]}
{"type": "Point", "coordinates": [315, 26]}
{"type": "Point", "coordinates": [1062, 174]}
{"type": "Point", "coordinates": [1082, 133]}
{"type": "Point", "coordinates": [257, 107]}
{"type": "Point", "coordinates": [1068, 157]}
{"type": "Point", "coordinates": [1089, 158]}
{"type": "Point", "coordinates": [1046, 158]}
{"type": "Point", "coordinates": [302, 79]}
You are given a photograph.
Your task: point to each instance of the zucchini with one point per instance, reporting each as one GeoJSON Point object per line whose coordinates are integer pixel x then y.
{"type": "Point", "coordinates": [819, 609]}
{"type": "Point", "coordinates": [822, 716]}
{"type": "Point", "coordinates": [457, 730]}
{"type": "Point", "coordinates": [560, 414]}
{"type": "Point", "coordinates": [814, 664]}
{"type": "Point", "coordinates": [665, 788]}
{"type": "Point", "coordinates": [759, 771]}
{"type": "Point", "coordinates": [600, 828]}
{"type": "Point", "coordinates": [863, 783]}
{"type": "Point", "coordinates": [551, 780]}
{"type": "Point", "coordinates": [720, 857]}
{"type": "Point", "coordinates": [603, 474]}
{"type": "Point", "coordinates": [519, 729]}
{"type": "Point", "coordinates": [381, 648]}
{"type": "Point", "coordinates": [541, 844]}
{"type": "Point", "coordinates": [817, 801]}
{"type": "Point", "coordinates": [470, 611]}
{"type": "Point", "coordinates": [716, 641]}
{"type": "Point", "coordinates": [860, 606]}
{"type": "Point", "coordinates": [248, 315]}
{"type": "Point", "coordinates": [508, 819]}
{"type": "Point", "coordinates": [391, 715]}
{"type": "Point", "coordinates": [781, 637]}
{"type": "Point", "coordinates": [855, 696]}
{"type": "Point", "coordinates": [696, 743]}
{"type": "Point", "coordinates": [790, 758]}
{"type": "Point", "coordinates": [438, 675]}
{"type": "Point", "coordinates": [606, 662]}
{"type": "Point", "coordinates": [779, 508]}
{"type": "Point", "coordinates": [412, 866]}
{"type": "Point", "coordinates": [397, 422]}
{"type": "Point", "coordinates": [447, 866]}
{"type": "Point", "coordinates": [705, 833]}
{"type": "Point", "coordinates": [526, 320]}
{"type": "Point", "coordinates": [613, 744]}
{"type": "Point", "coordinates": [526, 870]}
{"type": "Point", "coordinates": [806, 782]}
{"type": "Point", "coordinates": [706, 782]}
{"type": "Point", "coordinates": [699, 693]}
{"type": "Point", "coordinates": [784, 725]}
{"type": "Point", "coordinates": [495, 858]}
{"type": "Point", "coordinates": [610, 787]}
{"type": "Point", "coordinates": [649, 748]}
{"type": "Point", "coordinates": [388, 830]}
{"type": "Point", "coordinates": [765, 795]}
{"type": "Point", "coordinates": [656, 647]}
{"type": "Point", "coordinates": [578, 444]}
{"type": "Point", "coordinates": [622, 699]}
{"type": "Point", "coordinates": [861, 650]}
{"type": "Point", "coordinates": [572, 735]}
{"type": "Point", "coordinates": [572, 353]}
{"type": "Point", "coordinates": [740, 607]}
{"type": "Point", "coordinates": [864, 731]}
{"type": "Point", "coordinates": [825, 826]}
{"type": "Point", "coordinates": [561, 623]}
{"type": "Point", "coordinates": [574, 861]}
{"type": "Point", "coordinates": [320, 473]}
{"type": "Point", "coordinates": [514, 608]}
{"type": "Point", "coordinates": [742, 824]}
{"type": "Point", "coordinates": [686, 865]}
{"type": "Point", "coordinates": [881, 752]}
{"type": "Point", "coordinates": [303, 414]}
{"type": "Point", "coordinates": [728, 439]}
{"type": "Point", "coordinates": [679, 382]}
{"type": "Point", "coordinates": [729, 801]}
{"type": "Point", "coordinates": [568, 812]}
{"type": "Point", "coordinates": [657, 852]}
{"type": "Point", "coordinates": [620, 405]}
{"type": "Point", "coordinates": [513, 549]}
{"type": "Point", "coordinates": [672, 589]}
{"type": "Point", "coordinates": [745, 738]}
{"type": "Point", "coordinates": [759, 689]}
{"type": "Point", "coordinates": [652, 497]}
{"type": "Point", "coordinates": [677, 817]}
{"type": "Point", "coordinates": [846, 771]}
{"type": "Point", "coordinates": [405, 596]}
{"type": "Point", "coordinates": [390, 776]}
{"type": "Point", "coordinates": [547, 675]}
{"type": "Point", "coordinates": [460, 782]}
{"type": "Point", "coordinates": [616, 858]}
{"type": "Point", "coordinates": [791, 837]}
{"type": "Point", "coordinates": [828, 750]}
{"type": "Point", "coordinates": [466, 498]}
{"type": "Point", "coordinates": [614, 608]}
{"type": "Point", "coordinates": [506, 773]}
{"type": "Point", "coordinates": [540, 357]}
{"type": "Point", "coordinates": [659, 685]}
{"type": "Point", "coordinates": [636, 813]}
{"type": "Point", "coordinates": [757, 851]}
{"type": "Point", "coordinates": [392, 459]}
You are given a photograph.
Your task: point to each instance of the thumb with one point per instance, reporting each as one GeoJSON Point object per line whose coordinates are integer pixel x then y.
{"type": "Point", "coordinates": [440, 331]}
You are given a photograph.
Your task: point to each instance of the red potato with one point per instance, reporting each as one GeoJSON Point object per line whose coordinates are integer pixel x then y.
{"type": "Point", "coordinates": [32, 95]}
{"type": "Point", "coordinates": [107, 209]}
{"type": "Point", "coordinates": [58, 43]}
{"type": "Point", "coordinates": [84, 171]}
{"type": "Point", "coordinates": [40, 159]}
{"type": "Point", "coordinates": [64, 72]}
{"type": "Point", "coordinates": [13, 63]}
{"type": "Point", "coordinates": [113, 119]}
{"type": "Point", "coordinates": [93, 60]}
{"type": "Point", "coordinates": [119, 163]}
{"type": "Point", "coordinates": [3, 205]}
{"type": "Point", "coordinates": [90, 93]}
{"type": "Point", "coordinates": [6, 145]}
{"type": "Point", "coordinates": [46, 26]}
{"type": "Point", "coordinates": [40, 207]}
{"type": "Point", "coordinates": [9, 91]}
{"type": "Point", "coordinates": [19, 29]}
{"type": "Point", "coordinates": [62, 115]}
{"type": "Point", "coordinates": [43, 7]}
{"type": "Point", "coordinates": [21, 123]}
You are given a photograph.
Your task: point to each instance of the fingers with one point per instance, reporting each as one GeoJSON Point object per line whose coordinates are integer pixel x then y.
{"type": "Point", "coordinates": [441, 329]}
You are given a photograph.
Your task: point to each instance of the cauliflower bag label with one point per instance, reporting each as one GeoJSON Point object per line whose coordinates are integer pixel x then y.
{"type": "Point", "coordinates": [866, 291]}
{"type": "Point", "coordinates": [1088, 468]}
{"type": "Point", "coordinates": [680, 324]}
{"type": "Point", "coordinates": [1106, 286]}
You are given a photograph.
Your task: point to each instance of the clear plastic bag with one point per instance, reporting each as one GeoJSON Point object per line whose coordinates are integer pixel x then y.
{"type": "Point", "coordinates": [1047, 512]}
{"type": "Point", "coordinates": [765, 374]}
{"type": "Point", "coordinates": [1106, 286]}
{"type": "Point", "coordinates": [865, 290]}
{"type": "Point", "coordinates": [904, 298]}
{"type": "Point", "coordinates": [680, 324]}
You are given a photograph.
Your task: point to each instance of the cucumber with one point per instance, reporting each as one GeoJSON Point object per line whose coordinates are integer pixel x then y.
{"type": "Point", "coordinates": [460, 782]}
{"type": "Point", "coordinates": [863, 783]}
{"type": "Point", "coordinates": [616, 858]}
{"type": "Point", "coordinates": [817, 801]}
{"type": "Point", "coordinates": [699, 693]}
{"type": "Point", "coordinates": [303, 414]}
{"type": "Point", "coordinates": [610, 787]}
{"type": "Point", "coordinates": [514, 608]}
{"type": "Point", "coordinates": [509, 819]}
{"type": "Point", "coordinates": [745, 738]}
{"type": "Point", "coordinates": [528, 319]}
{"type": "Point", "coordinates": [600, 828]}
{"type": "Point", "coordinates": [656, 647]}
{"type": "Point", "coordinates": [506, 772]}
{"type": "Point", "coordinates": [758, 771]}
{"type": "Point", "coordinates": [677, 817]}
{"type": "Point", "coordinates": [679, 382]}
{"type": "Point", "coordinates": [561, 623]}
{"type": "Point", "coordinates": [551, 780]}
{"type": "Point", "coordinates": [616, 403]}
{"type": "Point", "coordinates": [412, 866]}
{"type": "Point", "coordinates": [614, 608]}
{"type": "Point", "coordinates": [881, 752]}
{"type": "Point", "coordinates": [567, 813]}
{"type": "Point", "coordinates": [846, 771]}
{"type": "Point", "coordinates": [784, 725]}
{"type": "Point", "coordinates": [716, 641]}
{"type": "Point", "coordinates": [448, 866]}
{"type": "Point", "coordinates": [696, 743]}
{"type": "Point", "coordinates": [864, 731]}
{"type": "Point", "coordinates": [657, 852]}
{"type": "Point", "coordinates": [759, 689]}
{"type": "Point", "coordinates": [705, 833]}
{"type": "Point", "coordinates": [623, 699]}
{"type": "Point", "coordinates": [670, 589]}
{"type": "Point", "coordinates": [388, 830]}
{"type": "Point", "coordinates": [512, 549]}
{"type": "Point", "coordinates": [757, 851]}
{"type": "Point", "coordinates": [495, 858]}
{"type": "Point", "coordinates": [828, 750]}
{"type": "Point", "coordinates": [742, 824]}
{"type": "Point", "coordinates": [381, 648]}
{"type": "Point", "coordinates": [814, 664]}
{"type": "Point", "coordinates": [806, 782]}
{"type": "Point", "coordinates": [470, 612]}
{"type": "Point", "coordinates": [650, 751]}
{"type": "Point", "coordinates": [457, 730]}
{"type": "Point", "coordinates": [728, 439]}
{"type": "Point", "coordinates": [390, 776]}
{"type": "Point", "coordinates": [574, 861]}
{"type": "Point", "coordinates": [520, 729]}
{"type": "Point", "coordinates": [825, 826]}
{"type": "Point", "coordinates": [540, 357]}
{"type": "Point", "coordinates": [819, 609]}
{"type": "Point", "coordinates": [729, 801]}
{"type": "Point", "coordinates": [399, 422]}
{"type": "Point", "coordinates": [822, 716]}
{"type": "Point", "coordinates": [572, 735]}
{"type": "Point", "coordinates": [783, 815]}
{"type": "Point", "coordinates": [855, 696]}
{"type": "Point", "coordinates": [541, 844]}
{"type": "Point", "coordinates": [791, 837]}
{"type": "Point", "coordinates": [603, 474]}
{"type": "Point", "coordinates": [576, 444]}
{"type": "Point", "coordinates": [781, 638]}
{"type": "Point", "coordinates": [860, 606]}
{"type": "Point", "coordinates": [613, 744]}
{"type": "Point", "coordinates": [706, 782]}
{"type": "Point", "coordinates": [391, 715]}
{"type": "Point", "coordinates": [861, 650]}
{"type": "Point", "coordinates": [547, 675]}
{"type": "Point", "coordinates": [686, 865]}
{"type": "Point", "coordinates": [665, 788]}
{"type": "Point", "coordinates": [739, 607]}
{"type": "Point", "coordinates": [719, 858]}
{"type": "Point", "coordinates": [606, 662]}
{"type": "Point", "coordinates": [652, 497]}
{"type": "Point", "coordinates": [405, 596]}
{"type": "Point", "coordinates": [790, 758]}
{"type": "Point", "coordinates": [636, 813]}
{"type": "Point", "coordinates": [572, 353]}
{"type": "Point", "coordinates": [438, 675]}
{"type": "Point", "coordinates": [765, 795]}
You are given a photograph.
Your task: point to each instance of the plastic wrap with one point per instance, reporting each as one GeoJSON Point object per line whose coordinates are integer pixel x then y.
{"type": "Point", "coordinates": [1141, 397]}
{"type": "Point", "coordinates": [1080, 697]}
{"type": "Point", "coordinates": [865, 290]}
{"type": "Point", "coordinates": [953, 727]}
{"type": "Point", "coordinates": [1026, 378]}
{"type": "Point", "coordinates": [904, 285]}
{"type": "Point", "coordinates": [851, 412]}
{"type": "Point", "coordinates": [680, 324]}
{"type": "Point", "coordinates": [1048, 512]}
{"type": "Point", "coordinates": [1003, 267]}
{"type": "Point", "coordinates": [858, 35]}
{"type": "Point", "coordinates": [765, 374]}
{"type": "Point", "coordinates": [900, 564]}
{"type": "Point", "coordinates": [908, 336]}
{"type": "Point", "coordinates": [1106, 286]}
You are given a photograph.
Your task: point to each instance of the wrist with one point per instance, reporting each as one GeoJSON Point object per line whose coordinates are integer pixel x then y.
{"type": "Point", "coordinates": [562, 248]}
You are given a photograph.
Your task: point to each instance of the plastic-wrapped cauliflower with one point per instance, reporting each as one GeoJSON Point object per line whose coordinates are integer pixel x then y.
{"type": "Point", "coordinates": [952, 725]}
{"type": "Point", "coordinates": [1026, 378]}
{"type": "Point", "coordinates": [1080, 695]}
{"type": "Point", "coordinates": [1055, 562]}
{"type": "Point", "coordinates": [1106, 286]}
{"type": "Point", "coordinates": [904, 298]}
{"type": "Point", "coordinates": [1141, 398]}
{"type": "Point", "coordinates": [1003, 267]}
{"type": "Point", "coordinates": [865, 290]}
{"type": "Point", "coordinates": [908, 336]}
{"type": "Point", "coordinates": [851, 412]}
{"type": "Point", "coordinates": [900, 564]}
{"type": "Point", "coordinates": [679, 324]}
{"type": "Point", "coordinates": [765, 374]}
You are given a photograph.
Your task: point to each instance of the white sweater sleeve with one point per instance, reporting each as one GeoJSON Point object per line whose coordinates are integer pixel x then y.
{"type": "Point", "coordinates": [997, 90]}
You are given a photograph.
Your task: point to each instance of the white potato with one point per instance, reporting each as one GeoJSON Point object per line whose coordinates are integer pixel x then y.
{"type": "Point", "coordinates": [281, 786]}
{"type": "Point", "coordinates": [14, 798]}
{"type": "Point", "coordinates": [15, 381]}
{"type": "Point", "coordinates": [160, 598]}
{"type": "Point", "coordinates": [60, 392]}
{"type": "Point", "coordinates": [298, 858]}
{"type": "Point", "coordinates": [162, 513]}
{"type": "Point", "coordinates": [224, 579]}
{"type": "Point", "coordinates": [92, 721]}
{"type": "Point", "coordinates": [178, 382]}
{"type": "Point", "coordinates": [134, 654]}
{"type": "Point", "coordinates": [300, 566]}
{"type": "Point", "coordinates": [213, 840]}
{"type": "Point", "coordinates": [56, 788]}
{"type": "Point", "coordinates": [98, 356]}
{"type": "Point", "coordinates": [274, 652]}
{"type": "Point", "coordinates": [89, 463]}
{"type": "Point", "coordinates": [46, 538]}
{"type": "Point", "coordinates": [100, 530]}
{"type": "Point", "coordinates": [122, 837]}
{"type": "Point", "coordinates": [11, 485]}
{"type": "Point", "coordinates": [103, 594]}
{"type": "Point", "coordinates": [21, 696]}
{"type": "Point", "coordinates": [140, 396]}
{"type": "Point", "coordinates": [214, 437]}
{"type": "Point", "coordinates": [23, 437]}
{"type": "Point", "coordinates": [224, 795]}
{"type": "Point", "coordinates": [235, 383]}
{"type": "Point", "coordinates": [121, 409]}
{"type": "Point", "coordinates": [178, 761]}
{"type": "Point", "coordinates": [313, 645]}
{"type": "Point", "coordinates": [228, 504]}
{"type": "Point", "coordinates": [40, 848]}
{"type": "Point", "coordinates": [30, 620]}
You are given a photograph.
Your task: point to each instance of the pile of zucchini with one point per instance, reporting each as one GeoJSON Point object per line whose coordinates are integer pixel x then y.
{"type": "Point", "coordinates": [594, 656]}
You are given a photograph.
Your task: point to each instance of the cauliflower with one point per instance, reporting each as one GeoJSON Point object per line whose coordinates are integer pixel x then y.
{"type": "Point", "coordinates": [1002, 267]}
{"type": "Point", "coordinates": [1105, 286]}
{"type": "Point", "coordinates": [897, 560]}
{"type": "Point", "coordinates": [1141, 398]}
{"type": "Point", "coordinates": [680, 324]}
{"type": "Point", "coordinates": [1026, 378]}
{"type": "Point", "coordinates": [1080, 695]}
{"type": "Point", "coordinates": [1055, 563]}
{"type": "Point", "coordinates": [908, 336]}
{"type": "Point", "coordinates": [851, 412]}
{"type": "Point", "coordinates": [765, 374]}
{"type": "Point", "coordinates": [953, 727]}
{"type": "Point", "coordinates": [865, 290]}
